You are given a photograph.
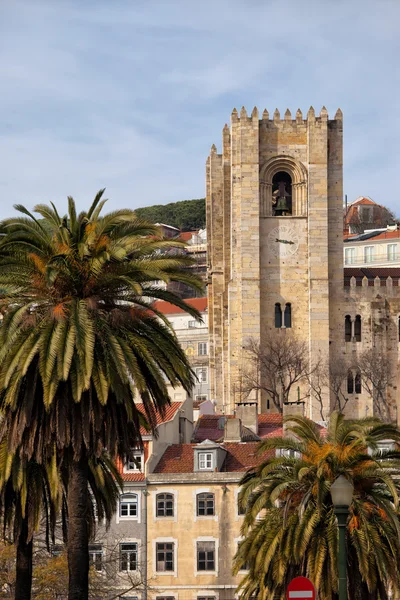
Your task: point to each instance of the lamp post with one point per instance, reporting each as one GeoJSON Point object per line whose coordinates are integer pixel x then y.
{"type": "Point", "coordinates": [342, 495]}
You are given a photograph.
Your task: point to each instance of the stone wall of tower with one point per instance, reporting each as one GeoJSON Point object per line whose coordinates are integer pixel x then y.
{"type": "Point", "coordinates": [257, 260]}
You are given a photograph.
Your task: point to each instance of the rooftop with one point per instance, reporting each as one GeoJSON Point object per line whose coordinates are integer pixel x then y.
{"type": "Point", "coordinates": [169, 309]}
{"type": "Point", "coordinates": [240, 456]}
{"type": "Point", "coordinates": [210, 427]}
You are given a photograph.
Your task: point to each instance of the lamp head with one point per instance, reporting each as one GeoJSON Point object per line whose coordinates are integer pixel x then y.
{"type": "Point", "coordinates": [342, 491]}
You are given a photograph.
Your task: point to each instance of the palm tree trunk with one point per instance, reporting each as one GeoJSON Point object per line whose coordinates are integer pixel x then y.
{"type": "Point", "coordinates": [23, 584]}
{"type": "Point", "coordinates": [78, 555]}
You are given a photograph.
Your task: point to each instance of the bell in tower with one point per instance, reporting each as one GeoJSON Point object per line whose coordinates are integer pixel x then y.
{"type": "Point", "coordinates": [282, 194]}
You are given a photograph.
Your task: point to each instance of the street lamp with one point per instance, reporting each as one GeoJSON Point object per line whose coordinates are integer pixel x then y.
{"type": "Point", "coordinates": [342, 494]}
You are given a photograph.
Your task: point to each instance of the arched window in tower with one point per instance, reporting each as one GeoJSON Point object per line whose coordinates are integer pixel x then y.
{"type": "Point", "coordinates": [357, 328]}
{"type": "Point", "coordinates": [278, 315]}
{"type": "Point", "coordinates": [357, 383]}
{"type": "Point", "coordinates": [282, 194]}
{"type": "Point", "coordinates": [347, 328]}
{"type": "Point", "coordinates": [288, 315]}
{"type": "Point", "coordinates": [350, 383]}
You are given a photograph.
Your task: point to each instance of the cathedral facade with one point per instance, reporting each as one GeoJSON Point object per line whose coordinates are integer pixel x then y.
{"type": "Point", "coordinates": [275, 266]}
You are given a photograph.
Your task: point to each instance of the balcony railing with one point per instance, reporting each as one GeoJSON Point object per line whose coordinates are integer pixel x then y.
{"type": "Point", "coordinates": [370, 260]}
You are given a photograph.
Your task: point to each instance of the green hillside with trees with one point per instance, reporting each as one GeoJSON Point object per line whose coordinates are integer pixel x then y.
{"type": "Point", "coordinates": [186, 214]}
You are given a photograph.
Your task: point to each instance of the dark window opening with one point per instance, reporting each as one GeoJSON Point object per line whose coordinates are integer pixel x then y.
{"type": "Point", "coordinates": [165, 557]}
{"type": "Point", "coordinates": [347, 328]}
{"type": "Point", "coordinates": [350, 383]}
{"type": "Point", "coordinates": [357, 383]}
{"type": "Point", "coordinates": [206, 556]}
{"type": "Point", "coordinates": [129, 557]}
{"type": "Point", "coordinates": [282, 194]}
{"type": "Point", "coordinates": [278, 315]}
{"type": "Point", "coordinates": [205, 505]}
{"type": "Point", "coordinates": [288, 315]}
{"type": "Point", "coordinates": [357, 328]}
{"type": "Point", "coordinates": [165, 505]}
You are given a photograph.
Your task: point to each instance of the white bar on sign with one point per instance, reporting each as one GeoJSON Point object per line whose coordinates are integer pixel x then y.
{"type": "Point", "coordinates": [300, 594]}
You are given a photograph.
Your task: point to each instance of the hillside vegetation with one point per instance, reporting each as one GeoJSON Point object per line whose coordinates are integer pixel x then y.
{"type": "Point", "coordinates": [186, 214]}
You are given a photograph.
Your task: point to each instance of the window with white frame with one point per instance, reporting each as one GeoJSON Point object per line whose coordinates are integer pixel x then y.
{"type": "Point", "coordinates": [192, 324]}
{"type": "Point", "coordinates": [136, 464]}
{"type": "Point", "coordinates": [165, 597]}
{"type": "Point", "coordinates": [201, 374]}
{"type": "Point", "coordinates": [128, 506]}
{"type": "Point", "coordinates": [205, 461]}
{"type": "Point", "coordinates": [205, 597]}
{"type": "Point", "coordinates": [369, 253]}
{"type": "Point", "coordinates": [206, 556]}
{"type": "Point", "coordinates": [349, 256]}
{"type": "Point", "coordinates": [392, 252]}
{"type": "Point", "coordinates": [205, 504]}
{"type": "Point", "coordinates": [164, 505]}
{"type": "Point", "coordinates": [128, 556]}
{"type": "Point", "coordinates": [202, 349]}
{"type": "Point", "coordinates": [165, 556]}
{"type": "Point", "coordinates": [96, 556]}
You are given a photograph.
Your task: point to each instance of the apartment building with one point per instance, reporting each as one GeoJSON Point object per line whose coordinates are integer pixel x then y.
{"type": "Point", "coordinates": [194, 518]}
{"type": "Point", "coordinates": [373, 248]}
{"type": "Point", "coordinates": [193, 338]}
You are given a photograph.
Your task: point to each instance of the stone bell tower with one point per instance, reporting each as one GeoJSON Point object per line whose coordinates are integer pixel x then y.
{"type": "Point", "coordinates": [274, 230]}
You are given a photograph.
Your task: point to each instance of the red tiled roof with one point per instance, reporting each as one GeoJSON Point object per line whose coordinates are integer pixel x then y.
{"type": "Point", "coordinates": [179, 458]}
{"type": "Point", "coordinates": [207, 426]}
{"type": "Point", "coordinates": [169, 309]}
{"type": "Point", "coordinates": [185, 236]}
{"type": "Point", "coordinates": [169, 414]}
{"type": "Point", "coordinates": [383, 235]}
{"type": "Point", "coordinates": [363, 200]}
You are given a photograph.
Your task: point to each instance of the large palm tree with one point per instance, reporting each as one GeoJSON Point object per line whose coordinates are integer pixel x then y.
{"type": "Point", "coordinates": [33, 497]}
{"type": "Point", "coordinates": [290, 528]}
{"type": "Point", "coordinates": [80, 340]}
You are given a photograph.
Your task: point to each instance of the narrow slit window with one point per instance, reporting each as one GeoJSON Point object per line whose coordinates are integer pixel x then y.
{"type": "Point", "coordinates": [357, 383]}
{"type": "Point", "coordinates": [288, 315]}
{"type": "Point", "coordinates": [347, 328]}
{"type": "Point", "coordinates": [350, 383]}
{"type": "Point", "coordinates": [278, 316]}
{"type": "Point", "coordinates": [357, 328]}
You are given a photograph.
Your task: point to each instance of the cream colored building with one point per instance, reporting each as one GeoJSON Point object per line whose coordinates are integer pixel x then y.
{"type": "Point", "coordinates": [373, 248]}
{"type": "Point", "coordinates": [193, 514]}
{"type": "Point", "coordinates": [275, 243]}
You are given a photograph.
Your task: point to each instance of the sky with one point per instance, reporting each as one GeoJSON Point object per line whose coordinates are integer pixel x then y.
{"type": "Point", "coordinates": [130, 94]}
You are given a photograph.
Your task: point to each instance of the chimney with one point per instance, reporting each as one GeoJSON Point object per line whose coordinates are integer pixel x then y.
{"type": "Point", "coordinates": [247, 412]}
{"type": "Point", "coordinates": [232, 430]}
{"type": "Point", "coordinates": [295, 409]}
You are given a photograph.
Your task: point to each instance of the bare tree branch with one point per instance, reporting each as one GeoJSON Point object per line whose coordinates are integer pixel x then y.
{"type": "Point", "coordinates": [275, 367]}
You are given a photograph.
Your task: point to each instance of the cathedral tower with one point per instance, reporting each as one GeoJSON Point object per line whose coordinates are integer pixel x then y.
{"type": "Point", "coordinates": [275, 243]}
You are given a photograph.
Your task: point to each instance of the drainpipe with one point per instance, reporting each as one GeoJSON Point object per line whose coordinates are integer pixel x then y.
{"type": "Point", "coordinates": [145, 494]}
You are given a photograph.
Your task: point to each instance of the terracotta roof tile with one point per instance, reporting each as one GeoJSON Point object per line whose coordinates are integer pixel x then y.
{"type": "Point", "coordinates": [185, 236]}
{"type": "Point", "coordinates": [169, 414]}
{"type": "Point", "coordinates": [179, 458]}
{"type": "Point", "coordinates": [207, 426]}
{"type": "Point", "coordinates": [363, 200]}
{"type": "Point", "coordinates": [169, 309]}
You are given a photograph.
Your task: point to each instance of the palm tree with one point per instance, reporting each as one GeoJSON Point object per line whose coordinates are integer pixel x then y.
{"type": "Point", "coordinates": [80, 340]}
{"type": "Point", "coordinates": [31, 497]}
{"type": "Point", "coordinates": [290, 527]}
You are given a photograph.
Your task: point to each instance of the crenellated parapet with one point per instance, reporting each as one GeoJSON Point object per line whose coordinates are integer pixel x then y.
{"type": "Point", "coordinates": [370, 289]}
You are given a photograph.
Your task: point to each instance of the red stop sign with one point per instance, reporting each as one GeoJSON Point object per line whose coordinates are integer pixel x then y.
{"type": "Point", "coordinates": [300, 588]}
